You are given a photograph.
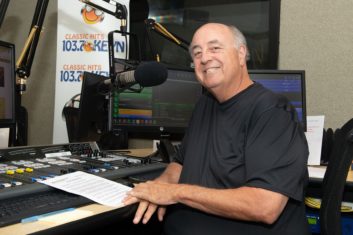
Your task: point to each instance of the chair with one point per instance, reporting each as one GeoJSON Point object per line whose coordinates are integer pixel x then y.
{"type": "Point", "coordinates": [335, 179]}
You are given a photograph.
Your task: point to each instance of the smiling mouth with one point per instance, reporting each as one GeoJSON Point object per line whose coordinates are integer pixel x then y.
{"type": "Point", "coordinates": [210, 70]}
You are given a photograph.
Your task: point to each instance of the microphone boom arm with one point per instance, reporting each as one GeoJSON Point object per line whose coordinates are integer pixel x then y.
{"type": "Point", "coordinates": [24, 62]}
{"type": "Point", "coordinates": [162, 31]}
{"type": "Point", "coordinates": [3, 8]}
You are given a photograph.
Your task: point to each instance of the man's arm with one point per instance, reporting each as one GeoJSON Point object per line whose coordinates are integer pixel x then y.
{"type": "Point", "coordinates": [171, 174]}
{"type": "Point", "coordinates": [244, 203]}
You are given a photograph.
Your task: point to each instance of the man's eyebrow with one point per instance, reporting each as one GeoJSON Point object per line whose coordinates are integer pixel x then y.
{"type": "Point", "coordinates": [215, 41]}
{"type": "Point", "coordinates": [193, 47]}
{"type": "Point", "coordinates": [212, 42]}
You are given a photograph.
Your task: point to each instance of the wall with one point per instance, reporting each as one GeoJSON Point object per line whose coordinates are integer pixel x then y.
{"type": "Point", "coordinates": [317, 36]}
{"type": "Point", "coordinates": [314, 35]}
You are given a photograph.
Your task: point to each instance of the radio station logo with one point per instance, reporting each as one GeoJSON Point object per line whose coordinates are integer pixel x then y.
{"type": "Point", "coordinates": [88, 46]}
{"type": "Point", "coordinates": [92, 15]}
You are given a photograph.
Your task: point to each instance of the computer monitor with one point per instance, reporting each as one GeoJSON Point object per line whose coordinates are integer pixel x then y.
{"type": "Point", "coordinates": [157, 112]}
{"type": "Point", "coordinates": [92, 113]}
{"type": "Point", "coordinates": [7, 94]}
{"type": "Point", "coordinates": [290, 83]}
{"type": "Point", "coordinates": [7, 83]}
{"type": "Point", "coordinates": [166, 109]}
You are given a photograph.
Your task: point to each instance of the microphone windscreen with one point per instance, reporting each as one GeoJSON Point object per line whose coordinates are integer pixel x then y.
{"type": "Point", "coordinates": [151, 74]}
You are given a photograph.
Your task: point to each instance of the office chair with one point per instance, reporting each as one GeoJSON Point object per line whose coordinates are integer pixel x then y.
{"type": "Point", "coordinates": [335, 179]}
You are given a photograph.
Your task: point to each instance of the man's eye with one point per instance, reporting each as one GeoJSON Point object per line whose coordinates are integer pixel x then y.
{"type": "Point", "coordinates": [197, 53]}
{"type": "Point", "coordinates": [215, 49]}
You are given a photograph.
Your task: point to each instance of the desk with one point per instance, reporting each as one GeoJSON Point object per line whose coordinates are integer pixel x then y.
{"type": "Point", "coordinates": [55, 220]}
{"type": "Point", "coordinates": [315, 185]}
{"type": "Point", "coordinates": [99, 215]}
{"type": "Point", "coordinates": [93, 214]}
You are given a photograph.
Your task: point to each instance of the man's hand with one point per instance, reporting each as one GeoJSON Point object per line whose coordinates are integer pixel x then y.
{"type": "Point", "coordinates": [150, 195]}
{"type": "Point", "coordinates": [145, 210]}
{"type": "Point", "coordinates": [159, 193]}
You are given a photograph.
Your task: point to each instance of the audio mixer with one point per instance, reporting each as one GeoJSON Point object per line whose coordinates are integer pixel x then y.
{"type": "Point", "coordinates": [21, 168]}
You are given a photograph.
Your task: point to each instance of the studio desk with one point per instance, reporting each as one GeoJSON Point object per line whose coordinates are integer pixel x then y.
{"type": "Point", "coordinates": [90, 218]}
{"type": "Point", "coordinates": [94, 217]}
{"type": "Point", "coordinates": [314, 188]}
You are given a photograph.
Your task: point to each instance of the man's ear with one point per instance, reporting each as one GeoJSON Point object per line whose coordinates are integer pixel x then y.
{"type": "Point", "coordinates": [242, 55]}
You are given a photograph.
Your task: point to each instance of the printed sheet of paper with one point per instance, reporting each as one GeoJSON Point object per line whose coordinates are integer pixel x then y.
{"type": "Point", "coordinates": [96, 188]}
{"type": "Point", "coordinates": [315, 129]}
{"type": "Point", "coordinates": [316, 172]}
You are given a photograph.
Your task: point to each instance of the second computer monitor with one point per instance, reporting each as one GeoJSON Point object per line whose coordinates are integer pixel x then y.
{"type": "Point", "coordinates": [289, 83]}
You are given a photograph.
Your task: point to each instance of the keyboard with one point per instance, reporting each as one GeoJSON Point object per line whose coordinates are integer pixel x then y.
{"type": "Point", "coordinates": [21, 209]}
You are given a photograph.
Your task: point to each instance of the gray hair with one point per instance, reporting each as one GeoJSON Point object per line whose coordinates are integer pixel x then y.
{"type": "Point", "coordinates": [239, 39]}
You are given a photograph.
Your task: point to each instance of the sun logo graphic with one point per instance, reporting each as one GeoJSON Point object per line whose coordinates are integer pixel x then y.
{"type": "Point", "coordinates": [91, 15]}
{"type": "Point", "coordinates": [88, 46]}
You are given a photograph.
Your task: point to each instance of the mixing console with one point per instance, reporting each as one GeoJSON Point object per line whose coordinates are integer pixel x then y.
{"type": "Point", "coordinates": [22, 167]}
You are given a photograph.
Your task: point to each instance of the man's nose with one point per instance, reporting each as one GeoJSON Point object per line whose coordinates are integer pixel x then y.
{"type": "Point", "coordinates": [205, 57]}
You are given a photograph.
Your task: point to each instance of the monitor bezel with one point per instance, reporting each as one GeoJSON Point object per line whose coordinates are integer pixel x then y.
{"type": "Point", "coordinates": [6, 122]}
{"type": "Point", "coordinates": [303, 87]}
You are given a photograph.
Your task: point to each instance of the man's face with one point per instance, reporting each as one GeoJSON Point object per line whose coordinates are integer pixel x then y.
{"type": "Point", "coordinates": [216, 59]}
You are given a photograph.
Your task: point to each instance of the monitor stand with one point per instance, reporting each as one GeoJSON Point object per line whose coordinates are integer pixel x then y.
{"type": "Point", "coordinates": [115, 139]}
{"type": "Point", "coordinates": [165, 149]}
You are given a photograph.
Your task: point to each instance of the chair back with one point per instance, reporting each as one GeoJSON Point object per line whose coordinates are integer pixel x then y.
{"type": "Point", "coordinates": [335, 179]}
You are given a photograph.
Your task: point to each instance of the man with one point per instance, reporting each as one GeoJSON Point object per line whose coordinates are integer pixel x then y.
{"type": "Point", "coordinates": [242, 165]}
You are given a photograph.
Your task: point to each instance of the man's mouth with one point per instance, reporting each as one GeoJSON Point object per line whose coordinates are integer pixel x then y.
{"type": "Point", "coordinates": [210, 70]}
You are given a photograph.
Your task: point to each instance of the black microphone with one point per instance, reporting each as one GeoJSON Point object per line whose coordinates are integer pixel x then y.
{"type": "Point", "coordinates": [146, 74]}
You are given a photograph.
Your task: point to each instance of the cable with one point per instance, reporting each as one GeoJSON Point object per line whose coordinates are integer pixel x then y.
{"type": "Point", "coordinates": [315, 203]}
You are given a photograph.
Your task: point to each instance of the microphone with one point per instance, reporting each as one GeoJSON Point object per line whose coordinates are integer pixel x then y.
{"type": "Point", "coordinates": [146, 74]}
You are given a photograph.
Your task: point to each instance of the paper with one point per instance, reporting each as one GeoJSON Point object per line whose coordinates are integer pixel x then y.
{"type": "Point", "coordinates": [98, 189]}
{"type": "Point", "coordinates": [315, 128]}
{"type": "Point", "coordinates": [4, 137]}
{"type": "Point", "coordinates": [316, 172]}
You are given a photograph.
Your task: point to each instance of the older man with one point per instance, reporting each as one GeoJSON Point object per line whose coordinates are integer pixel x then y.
{"type": "Point", "coordinates": [242, 165]}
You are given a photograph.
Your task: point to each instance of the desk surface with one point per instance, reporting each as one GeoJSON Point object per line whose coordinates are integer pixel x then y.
{"type": "Point", "coordinates": [79, 213]}
{"type": "Point", "coordinates": [64, 217]}
{"type": "Point", "coordinates": [55, 220]}
{"type": "Point", "coordinates": [323, 168]}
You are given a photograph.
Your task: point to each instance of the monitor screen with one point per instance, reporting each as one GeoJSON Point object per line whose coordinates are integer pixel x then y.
{"type": "Point", "coordinates": [7, 83]}
{"type": "Point", "coordinates": [158, 111]}
{"type": "Point", "coordinates": [290, 83]}
{"type": "Point", "coordinates": [92, 113]}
